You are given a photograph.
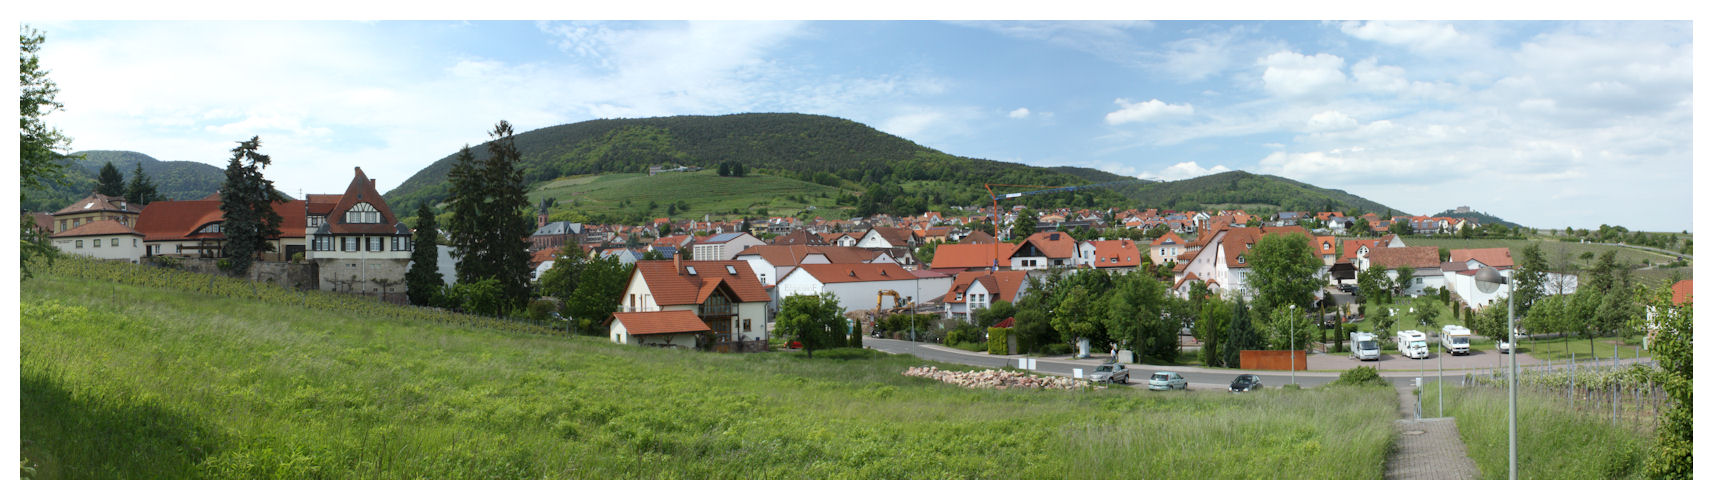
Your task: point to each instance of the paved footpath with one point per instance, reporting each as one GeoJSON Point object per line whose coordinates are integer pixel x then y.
{"type": "Point", "coordinates": [1428, 448]}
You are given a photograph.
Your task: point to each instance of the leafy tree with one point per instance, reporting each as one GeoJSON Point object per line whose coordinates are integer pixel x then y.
{"type": "Point", "coordinates": [1033, 329]}
{"type": "Point", "coordinates": [1133, 316]}
{"type": "Point", "coordinates": [485, 297]}
{"type": "Point", "coordinates": [1283, 268]}
{"type": "Point", "coordinates": [994, 313]}
{"type": "Point", "coordinates": [1673, 349]}
{"type": "Point", "coordinates": [561, 280]}
{"type": "Point", "coordinates": [1384, 320]}
{"type": "Point", "coordinates": [141, 189]}
{"type": "Point", "coordinates": [816, 321]}
{"type": "Point", "coordinates": [1490, 322]}
{"type": "Point", "coordinates": [1286, 328]}
{"type": "Point", "coordinates": [110, 182]}
{"type": "Point", "coordinates": [738, 171]}
{"type": "Point", "coordinates": [600, 286]}
{"type": "Point", "coordinates": [40, 146]}
{"type": "Point", "coordinates": [1530, 276]}
{"type": "Point", "coordinates": [1374, 283]}
{"type": "Point", "coordinates": [1428, 316]}
{"type": "Point", "coordinates": [1077, 317]}
{"type": "Point", "coordinates": [423, 282]}
{"type": "Point", "coordinates": [1405, 276]}
{"type": "Point", "coordinates": [247, 199]}
{"type": "Point", "coordinates": [1210, 329]}
{"type": "Point", "coordinates": [1024, 225]}
{"type": "Point", "coordinates": [725, 168]}
{"type": "Point", "coordinates": [1361, 228]}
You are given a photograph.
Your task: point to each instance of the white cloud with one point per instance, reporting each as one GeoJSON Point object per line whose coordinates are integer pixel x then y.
{"type": "Point", "coordinates": [1150, 110]}
{"type": "Point", "coordinates": [1330, 121]}
{"type": "Point", "coordinates": [1183, 170]}
{"type": "Point", "coordinates": [1019, 113]}
{"type": "Point", "coordinates": [912, 124]}
{"type": "Point", "coordinates": [1289, 74]}
{"type": "Point", "coordinates": [1420, 36]}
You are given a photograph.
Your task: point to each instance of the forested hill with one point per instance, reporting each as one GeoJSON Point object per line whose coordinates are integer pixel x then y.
{"type": "Point", "coordinates": [1481, 218]}
{"type": "Point", "coordinates": [896, 175]}
{"type": "Point", "coordinates": [174, 180]}
{"type": "Point", "coordinates": [825, 150]}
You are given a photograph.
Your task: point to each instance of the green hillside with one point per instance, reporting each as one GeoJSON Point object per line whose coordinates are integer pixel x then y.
{"type": "Point", "coordinates": [132, 372]}
{"type": "Point", "coordinates": [174, 180]}
{"type": "Point", "coordinates": [898, 176]}
{"type": "Point", "coordinates": [641, 197]}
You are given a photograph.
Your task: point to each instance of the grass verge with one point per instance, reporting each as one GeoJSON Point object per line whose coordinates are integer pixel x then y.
{"type": "Point", "coordinates": [1554, 442]}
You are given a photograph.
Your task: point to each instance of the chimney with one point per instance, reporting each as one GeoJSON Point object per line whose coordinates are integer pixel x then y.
{"type": "Point", "coordinates": [678, 263]}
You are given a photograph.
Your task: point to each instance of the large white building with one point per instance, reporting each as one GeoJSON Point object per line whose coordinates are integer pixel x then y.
{"type": "Point", "coordinates": [103, 239]}
{"type": "Point", "coordinates": [724, 294]}
{"type": "Point", "coordinates": [858, 286]}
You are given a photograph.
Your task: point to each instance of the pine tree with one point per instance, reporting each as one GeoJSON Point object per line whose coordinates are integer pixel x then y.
{"type": "Point", "coordinates": [464, 200]}
{"type": "Point", "coordinates": [247, 201]}
{"type": "Point", "coordinates": [141, 189]}
{"type": "Point", "coordinates": [423, 282]}
{"type": "Point", "coordinates": [110, 182]}
{"type": "Point", "coordinates": [488, 224]}
{"type": "Point", "coordinates": [1241, 335]}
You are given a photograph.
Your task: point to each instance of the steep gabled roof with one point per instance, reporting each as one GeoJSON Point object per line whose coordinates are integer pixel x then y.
{"type": "Point", "coordinates": [361, 190]}
{"type": "Point", "coordinates": [971, 255]}
{"type": "Point", "coordinates": [673, 284]}
{"type": "Point", "coordinates": [895, 236]}
{"type": "Point", "coordinates": [1052, 244]}
{"type": "Point", "coordinates": [102, 227]}
{"type": "Point", "coordinates": [979, 236]}
{"type": "Point", "coordinates": [661, 322]}
{"type": "Point", "coordinates": [1491, 257]}
{"type": "Point", "coordinates": [1004, 285]}
{"type": "Point", "coordinates": [1239, 240]}
{"type": "Point", "coordinates": [1116, 253]}
{"type": "Point", "coordinates": [851, 273]}
{"type": "Point", "coordinates": [1170, 238]}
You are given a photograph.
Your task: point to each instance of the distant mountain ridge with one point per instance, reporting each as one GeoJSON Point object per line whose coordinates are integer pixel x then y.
{"type": "Point", "coordinates": [843, 153]}
{"type": "Point", "coordinates": [174, 180]}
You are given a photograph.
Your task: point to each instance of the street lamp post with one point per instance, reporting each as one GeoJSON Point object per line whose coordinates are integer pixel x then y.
{"type": "Point", "coordinates": [1488, 280]}
{"type": "Point", "coordinates": [1293, 350]}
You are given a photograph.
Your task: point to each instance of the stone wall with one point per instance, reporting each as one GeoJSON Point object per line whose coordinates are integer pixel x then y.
{"type": "Point", "coordinates": [363, 276]}
{"type": "Point", "coordinates": [295, 275]}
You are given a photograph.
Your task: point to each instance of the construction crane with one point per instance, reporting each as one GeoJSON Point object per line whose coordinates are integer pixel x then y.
{"type": "Point", "coordinates": [1048, 190]}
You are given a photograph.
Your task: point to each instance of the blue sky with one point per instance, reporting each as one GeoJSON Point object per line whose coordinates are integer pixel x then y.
{"type": "Point", "coordinates": [1547, 124]}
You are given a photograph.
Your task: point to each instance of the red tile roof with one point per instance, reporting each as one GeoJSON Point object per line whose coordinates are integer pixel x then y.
{"type": "Point", "coordinates": [1682, 291]}
{"type": "Point", "coordinates": [1239, 240]}
{"type": "Point", "coordinates": [1003, 286]}
{"type": "Point", "coordinates": [176, 220]}
{"type": "Point", "coordinates": [671, 287]}
{"type": "Point", "coordinates": [1325, 245]}
{"type": "Point", "coordinates": [1170, 238]}
{"type": "Point", "coordinates": [1491, 257]}
{"type": "Point", "coordinates": [1062, 248]}
{"type": "Point", "coordinates": [979, 236]}
{"type": "Point", "coordinates": [98, 228]}
{"type": "Point", "coordinates": [1124, 251]}
{"type": "Point", "coordinates": [1351, 246]}
{"type": "Point", "coordinates": [851, 273]}
{"type": "Point", "coordinates": [97, 202]}
{"type": "Point", "coordinates": [661, 322]}
{"type": "Point", "coordinates": [971, 255]}
{"type": "Point", "coordinates": [1412, 257]}
{"type": "Point", "coordinates": [361, 190]}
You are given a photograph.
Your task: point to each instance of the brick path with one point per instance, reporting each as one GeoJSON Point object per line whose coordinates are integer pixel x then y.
{"type": "Point", "coordinates": [1428, 448]}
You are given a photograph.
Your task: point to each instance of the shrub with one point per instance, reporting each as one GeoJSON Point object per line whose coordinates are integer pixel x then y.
{"type": "Point", "coordinates": [996, 340]}
{"type": "Point", "coordinates": [541, 309]}
{"type": "Point", "coordinates": [845, 353]}
{"type": "Point", "coordinates": [1056, 349]}
{"type": "Point", "coordinates": [1359, 376]}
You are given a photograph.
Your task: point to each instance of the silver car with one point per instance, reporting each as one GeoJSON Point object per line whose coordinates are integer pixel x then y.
{"type": "Point", "coordinates": [1166, 381]}
{"type": "Point", "coordinates": [1111, 373]}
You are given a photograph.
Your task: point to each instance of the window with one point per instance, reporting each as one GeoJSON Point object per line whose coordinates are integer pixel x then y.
{"type": "Point", "coordinates": [62, 225]}
{"type": "Point", "coordinates": [211, 228]}
{"type": "Point", "coordinates": [377, 243]}
{"type": "Point", "coordinates": [97, 242]}
{"type": "Point", "coordinates": [1419, 281]}
{"type": "Point", "coordinates": [401, 243]}
{"type": "Point", "coordinates": [323, 244]}
{"type": "Point", "coordinates": [133, 243]}
{"type": "Point", "coordinates": [116, 243]}
{"type": "Point", "coordinates": [362, 213]}
{"type": "Point", "coordinates": [746, 325]}
{"type": "Point", "coordinates": [316, 220]}
{"type": "Point", "coordinates": [347, 244]}
{"type": "Point", "coordinates": [80, 243]}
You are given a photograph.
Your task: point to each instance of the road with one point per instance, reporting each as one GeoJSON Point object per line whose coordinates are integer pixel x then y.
{"type": "Point", "coordinates": [1199, 378]}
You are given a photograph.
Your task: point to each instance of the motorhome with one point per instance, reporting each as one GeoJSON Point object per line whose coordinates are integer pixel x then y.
{"type": "Point", "coordinates": [1413, 344]}
{"type": "Point", "coordinates": [1454, 339]}
{"type": "Point", "coordinates": [1364, 347]}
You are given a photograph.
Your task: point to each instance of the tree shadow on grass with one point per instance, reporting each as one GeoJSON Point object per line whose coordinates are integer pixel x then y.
{"type": "Point", "coordinates": [72, 436]}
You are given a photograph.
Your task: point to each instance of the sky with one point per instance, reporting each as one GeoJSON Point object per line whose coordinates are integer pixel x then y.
{"type": "Point", "coordinates": [1547, 124]}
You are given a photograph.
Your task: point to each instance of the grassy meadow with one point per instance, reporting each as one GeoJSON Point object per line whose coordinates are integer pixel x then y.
{"type": "Point", "coordinates": [705, 191]}
{"type": "Point", "coordinates": [130, 372]}
{"type": "Point", "coordinates": [1553, 441]}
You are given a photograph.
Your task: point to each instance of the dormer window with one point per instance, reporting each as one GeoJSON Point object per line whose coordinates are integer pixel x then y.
{"type": "Point", "coordinates": [691, 270]}
{"type": "Point", "coordinates": [731, 270]}
{"type": "Point", "coordinates": [362, 213]}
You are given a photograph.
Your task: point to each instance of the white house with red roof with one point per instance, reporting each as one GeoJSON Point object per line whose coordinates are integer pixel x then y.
{"type": "Point", "coordinates": [1043, 250]}
{"type": "Point", "coordinates": [772, 262]}
{"type": "Point", "coordinates": [973, 291]}
{"type": "Point", "coordinates": [104, 239]}
{"type": "Point", "coordinates": [723, 294]}
{"type": "Point", "coordinates": [96, 207]}
{"type": "Point", "coordinates": [1165, 249]}
{"type": "Point", "coordinates": [1119, 255]}
{"type": "Point", "coordinates": [1222, 261]}
{"type": "Point", "coordinates": [858, 286]}
{"type": "Point", "coordinates": [359, 245]}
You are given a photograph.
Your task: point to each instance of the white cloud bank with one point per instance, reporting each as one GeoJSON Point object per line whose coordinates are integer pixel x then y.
{"type": "Point", "coordinates": [1150, 110]}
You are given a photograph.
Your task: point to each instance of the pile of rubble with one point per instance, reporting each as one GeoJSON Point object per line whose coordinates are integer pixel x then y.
{"type": "Point", "coordinates": [997, 379]}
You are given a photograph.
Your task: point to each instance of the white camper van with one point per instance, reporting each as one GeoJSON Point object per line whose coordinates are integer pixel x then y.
{"type": "Point", "coordinates": [1364, 347]}
{"type": "Point", "coordinates": [1454, 339]}
{"type": "Point", "coordinates": [1413, 344]}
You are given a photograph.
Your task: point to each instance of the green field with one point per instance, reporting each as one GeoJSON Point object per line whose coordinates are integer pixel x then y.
{"type": "Point", "coordinates": [1556, 251]}
{"type": "Point", "coordinates": [705, 192]}
{"type": "Point", "coordinates": [1553, 442]}
{"type": "Point", "coordinates": [131, 372]}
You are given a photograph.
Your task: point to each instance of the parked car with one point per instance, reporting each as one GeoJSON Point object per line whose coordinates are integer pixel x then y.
{"type": "Point", "coordinates": [1246, 383]}
{"type": "Point", "coordinates": [1504, 347]}
{"type": "Point", "coordinates": [1347, 288]}
{"type": "Point", "coordinates": [1166, 381]}
{"type": "Point", "coordinates": [1111, 373]}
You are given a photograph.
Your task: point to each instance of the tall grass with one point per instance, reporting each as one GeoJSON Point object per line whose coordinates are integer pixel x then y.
{"type": "Point", "coordinates": [1553, 441]}
{"type": "Point", "coordinates": [134, 381]}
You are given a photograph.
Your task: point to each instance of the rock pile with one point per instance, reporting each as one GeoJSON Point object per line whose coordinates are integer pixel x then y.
{"type": "Point", "coordinates": [997, 379]}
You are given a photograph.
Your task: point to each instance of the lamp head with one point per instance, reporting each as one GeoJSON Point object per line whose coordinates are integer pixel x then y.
{"type": "Point", "coordinates": [1488, 280]}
